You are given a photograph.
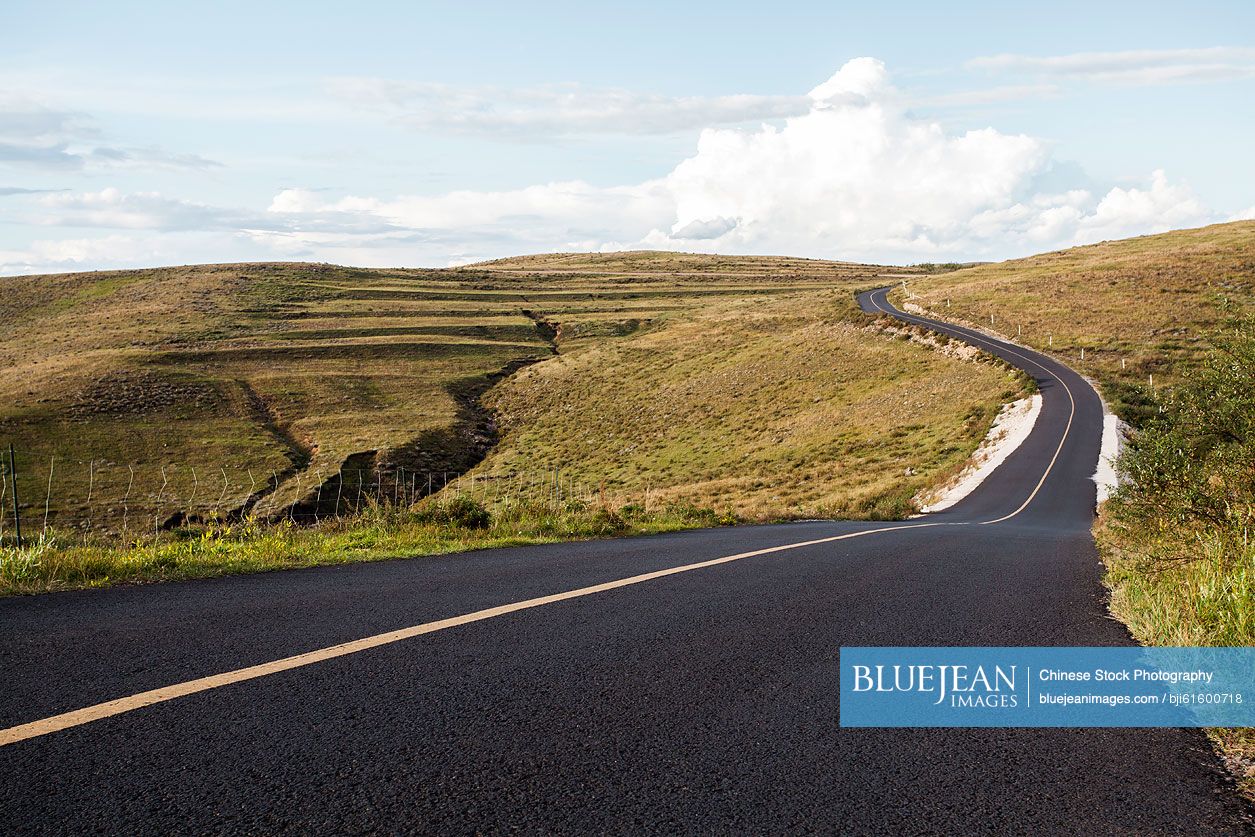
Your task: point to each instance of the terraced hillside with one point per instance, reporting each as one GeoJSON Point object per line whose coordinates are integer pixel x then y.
{"type": "Point", "coordinates": [136, 400]}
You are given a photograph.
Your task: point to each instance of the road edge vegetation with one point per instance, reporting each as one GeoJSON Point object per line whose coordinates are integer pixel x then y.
{"type": "Point", "coordinates": [1178, 535]}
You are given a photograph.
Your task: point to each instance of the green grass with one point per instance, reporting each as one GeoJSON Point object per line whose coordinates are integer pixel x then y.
{"type": "Point", "coordinates": [793, 407]}
{"type": "Point", "coordinates": [59, 561]}
{"type": "Point", "coordinates": [1177, 535]}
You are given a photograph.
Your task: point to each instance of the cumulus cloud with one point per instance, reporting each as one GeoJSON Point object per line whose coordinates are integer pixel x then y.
{"type": "Point", "coordinates": [1141, 66]}
{"type": "Point", "coordinates": [857, 176]}
{"type": "Point", "coordinates": [51, 256]}
{"type": "Point", "coordinates": [554, 110]}
{"type": "Point", "coordinates": [1125, 212]}
{"type": "Point", "coordinates": [703, 230]}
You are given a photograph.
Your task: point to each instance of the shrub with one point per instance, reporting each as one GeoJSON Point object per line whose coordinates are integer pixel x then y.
{"type": "Point", "coordinates": [458, 511]}
{"type": "Point", "coordinates": [632, 511]}
{"type": "Point", "coordinates": [1179, 530]}
{"type": "Point", "coordinates": [1190, 468]}
{"type": "Point", "coordinates": [608, 522]}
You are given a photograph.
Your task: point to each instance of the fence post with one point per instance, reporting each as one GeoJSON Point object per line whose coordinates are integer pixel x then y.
{"type": "Point", "coordinates": [17, 512]}
{"type": "Point", "coordinates": [52, 463]}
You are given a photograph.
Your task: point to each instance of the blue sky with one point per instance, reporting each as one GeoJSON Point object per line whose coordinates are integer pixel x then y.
{"type": "Point", "coordinates": [137, 134]}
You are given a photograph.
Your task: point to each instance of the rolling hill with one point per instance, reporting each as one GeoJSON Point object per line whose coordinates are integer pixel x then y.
{"type": "Point", "coordinates": [143, 400]}
{"type": "Point", "coordinates": [1137, 307]}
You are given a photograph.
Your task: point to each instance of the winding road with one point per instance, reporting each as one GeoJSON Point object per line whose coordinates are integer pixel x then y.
{"type": "Point", "coordinates": [673, 683]}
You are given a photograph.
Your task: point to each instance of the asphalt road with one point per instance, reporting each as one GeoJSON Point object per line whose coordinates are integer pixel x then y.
{"type": "Point", "coordinates": [701, 701]}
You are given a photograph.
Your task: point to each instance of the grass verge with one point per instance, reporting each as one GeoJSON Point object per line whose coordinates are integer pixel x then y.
{"type": "Point", "coordinates": [57, 561]}
{"type": "Point", "coordinates": [1176, 537]}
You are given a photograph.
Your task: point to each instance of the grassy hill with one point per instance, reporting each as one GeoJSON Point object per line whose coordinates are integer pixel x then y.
{"type": "Point", "coordinates": [782, 407]}
{"type": "Point", "coordinates": [144, 400]}
{"type": "Point", "coordinates": [1137, 307]}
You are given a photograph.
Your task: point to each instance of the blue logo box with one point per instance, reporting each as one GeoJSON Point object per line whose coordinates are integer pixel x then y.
{"type": "Point", "coordinates": [1047, 687]}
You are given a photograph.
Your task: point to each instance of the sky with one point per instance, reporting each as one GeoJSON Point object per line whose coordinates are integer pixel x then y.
{"type": "Point", "coordinates": [432, 134]}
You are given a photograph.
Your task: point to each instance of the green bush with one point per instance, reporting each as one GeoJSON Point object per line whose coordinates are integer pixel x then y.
{"type": "Point", "coordinates": [1190, 468]}
{"type": "Point", "coordinates": [608, 522]}
{"type": "Point", "coordinates": [458, 511]}
{"type": "Point", "coordinates": [632, 511]}
{"type": "Point", "coordinates": [1179, 533]}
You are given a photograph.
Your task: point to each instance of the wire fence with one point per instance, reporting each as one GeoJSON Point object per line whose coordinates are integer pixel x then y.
{"type": "Point", "coordinates": [101, 496]}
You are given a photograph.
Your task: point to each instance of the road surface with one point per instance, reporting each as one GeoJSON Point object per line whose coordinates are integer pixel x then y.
{"type": "Point", "coordinates": [674, 683]}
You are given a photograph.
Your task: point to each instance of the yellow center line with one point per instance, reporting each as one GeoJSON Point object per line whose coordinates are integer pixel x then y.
{"type": "Point", "coordinates": [970, 335]}
{"type": "Point", "coordinates": [118, 706]}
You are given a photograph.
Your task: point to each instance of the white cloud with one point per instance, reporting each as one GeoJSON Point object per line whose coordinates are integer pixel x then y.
{"type": "Point", "coordinates": [1126, 212]}
{"type": "Point", "coordinates": [114, 209]}
{"type": "Point", "coordinates": [705, 229]}
{"type": "Point", "coordinates": [51, 256]}
{"type": "Point", "coordinates": [33, 135]}
{"type": "Point", "coordinates": [855, 172]}
{"type": "Point", "coordinates": [855, 177]}
{"type": "Point", "coordinates": [992, 95]}
{"type": "Point", "coordinates": [563, 211]}
{"type": "Point", "coordinates": [554, 110]}
{"type": "Point", "coordinates": [1143, 66]}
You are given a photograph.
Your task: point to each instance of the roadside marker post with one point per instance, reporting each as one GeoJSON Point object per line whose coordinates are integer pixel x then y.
{"type": "Point", "coordinates": [52, 463]}
{"type": "Point", "coordinates": [17, 513]}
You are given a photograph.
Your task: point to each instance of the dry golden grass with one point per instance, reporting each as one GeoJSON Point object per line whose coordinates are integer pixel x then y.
{"type": "Point", "coordinates": [1138, 307]}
